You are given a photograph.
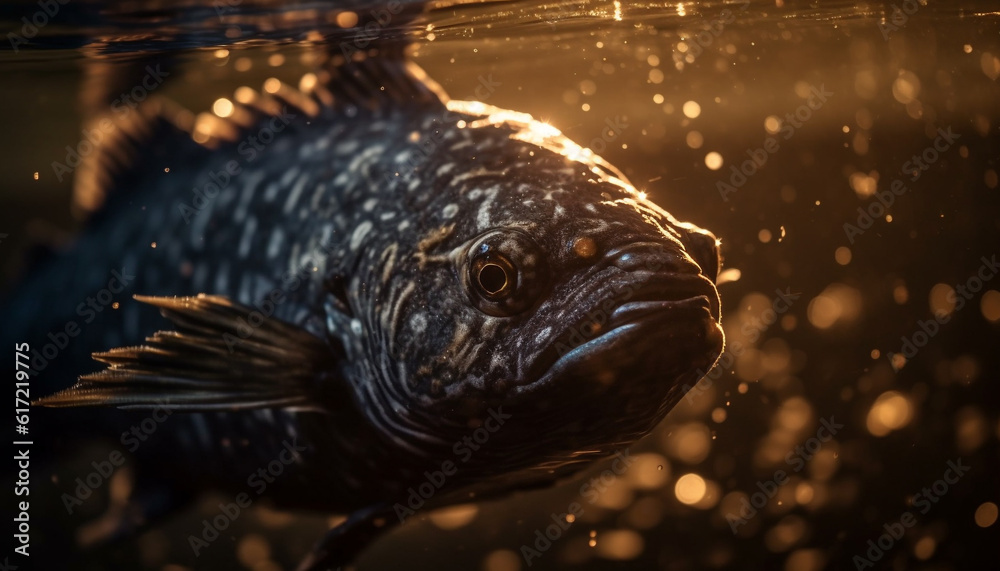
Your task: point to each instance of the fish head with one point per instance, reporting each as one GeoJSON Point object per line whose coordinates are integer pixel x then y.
{"type": "Point", "coordinates": [598, 313]}
{"type": "Point", "coordinates": [547, 287]}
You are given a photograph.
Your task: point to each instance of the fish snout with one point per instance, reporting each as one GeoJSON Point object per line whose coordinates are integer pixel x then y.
{"type": "Point", "coordinates": [652, 257]}
{"type": "Point", "coordinates": [665, 275]}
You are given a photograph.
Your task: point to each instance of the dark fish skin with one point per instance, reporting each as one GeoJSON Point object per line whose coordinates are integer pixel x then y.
{"type": "Point", "coordinates": [367, 217]}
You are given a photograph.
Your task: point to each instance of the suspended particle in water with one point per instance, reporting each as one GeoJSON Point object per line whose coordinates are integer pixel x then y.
{"type": "Point", "coordinates": [223, 107]}
{"type": "Point", "coordinates": [772, 124]}
{"type": "Point", "coordinates": [986, 514]}
{"type": "Point", "coordinates": [843, 255]}
{"type": "Point", "coordinates": [713, 161]}
{"type": "Point", "coordinates": [690, 489]}
{"type": "Point", "coordinates": [691, 109]}
{"type": "Point", "coordinates": [719, 415]}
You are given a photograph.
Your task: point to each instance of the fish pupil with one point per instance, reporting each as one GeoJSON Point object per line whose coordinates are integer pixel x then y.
{"type": "Point", "coordinates": [492, 278]}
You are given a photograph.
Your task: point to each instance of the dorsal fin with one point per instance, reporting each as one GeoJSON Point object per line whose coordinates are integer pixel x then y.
{"type": "Point", "coordinates": [123, 147]}
{"type": "Point", "coordinates": [160, 132]}
{"type": "Point", "coordinates": [380, 77]}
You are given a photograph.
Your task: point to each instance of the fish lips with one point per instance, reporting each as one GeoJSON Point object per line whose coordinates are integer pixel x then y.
{"type": "Point", "coordinates": [642, 337]}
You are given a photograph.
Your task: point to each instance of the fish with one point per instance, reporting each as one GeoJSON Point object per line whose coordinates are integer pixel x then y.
{"type": "Point", "coordinates": [376, 285]}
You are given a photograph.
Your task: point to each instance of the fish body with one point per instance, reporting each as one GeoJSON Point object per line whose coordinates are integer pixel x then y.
{"type": "Point", "coordinates": [383, 273]}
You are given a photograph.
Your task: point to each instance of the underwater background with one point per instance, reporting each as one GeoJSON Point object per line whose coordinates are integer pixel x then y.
{"type": "Point", "coordinates": [846, 154]}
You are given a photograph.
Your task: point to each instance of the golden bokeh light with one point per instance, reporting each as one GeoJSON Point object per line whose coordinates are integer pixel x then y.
{"type": "Point", "coordinates": [890, 411]}
{"type": "Point", "coordinates": [222, 107]}
{"type": "Point", "coordinates": [649, 471]}
{"type": "Point", "coordinates": [347, 19]}
{"type": "Point", "coordinates": [804, 493]}
{"type": "Point", "coordinates": [971, 429]}
{"type": "Point", "coordinates": [794, 414]}
{"type": "Point", "coordinates": [620, 544]}
{"type": "Point", "coordinates": [454, 517]}
{"type": "Point", "coordinates": [689, 443]}
{"type": "Point", "coordinates": [837, 304]}
{"type": "Point", "coordinates": [785, 534]}
{"type": "Point", "coordinates": [986, 514]}
{"type": "Point", "coordinates": [990, 305]}
{"type": "Point", "coordinates": [690, 489]}
{"type": "Point", "coordinates": [502, 560]}
{"type": "Point", "coordinates": [772, 124]}
{"type": "Point", "coordinates": [924, 548]}
{"type": "Point", "coordinates": [941, 299]}
{"type": "Point", "coordinates": [906, 88]}
{"type": "Point", "coordinates": [843, 255]}
{"type": "Point", "coordinates": [805, 560]}
{"type": "Point", "coordinates": [691, 109]}
{"type": "Point", "coordinates": [862, 184]}
{"type": "Point", "coordinates": [713, 161]}
{"type": "Point", "coordinates": [252, 549]}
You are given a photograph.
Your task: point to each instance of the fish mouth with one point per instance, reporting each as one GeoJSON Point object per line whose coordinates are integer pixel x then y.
{"type": "Point", "coordinates": [674, 322]}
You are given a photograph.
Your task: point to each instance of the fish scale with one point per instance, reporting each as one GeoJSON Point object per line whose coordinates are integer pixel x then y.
{"type": "Point", "coordinates": [390, 349]}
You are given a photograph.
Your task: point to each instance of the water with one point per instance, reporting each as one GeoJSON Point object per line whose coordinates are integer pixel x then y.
{"type": "Point", "coordinates": [675, 107]}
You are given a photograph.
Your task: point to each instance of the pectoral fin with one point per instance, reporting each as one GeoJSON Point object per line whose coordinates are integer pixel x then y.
{"type": "Point", "coordinates": [343, 543]}
{"type": "Point", "coordinates": [216, 359]}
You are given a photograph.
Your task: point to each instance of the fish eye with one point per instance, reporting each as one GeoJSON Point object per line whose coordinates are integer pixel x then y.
{"type": "Point", "coordinates": [493, 278]}
{"type": "Point", "coordinates": [505, 272]}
